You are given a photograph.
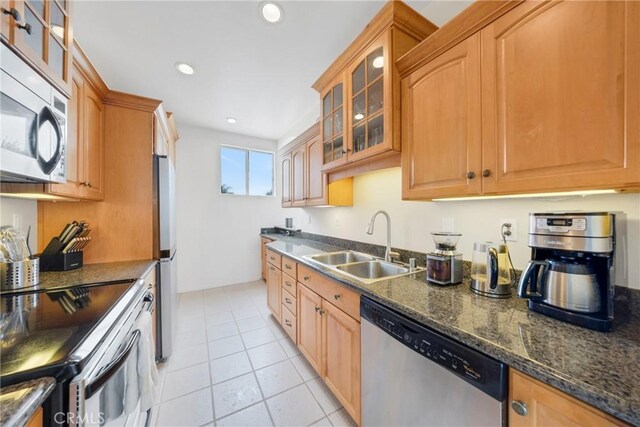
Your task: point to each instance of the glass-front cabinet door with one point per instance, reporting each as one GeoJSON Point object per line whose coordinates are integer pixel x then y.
{"type": "Point", "coordinates": [334, 150]}
{"type": "Point", "coordinates": [42, 34]}
{"type": "Point", "coordinates": [367, 95]}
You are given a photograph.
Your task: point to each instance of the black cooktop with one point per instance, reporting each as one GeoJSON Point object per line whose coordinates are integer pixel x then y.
{"type": "Point", "coordinates": [40, 330]}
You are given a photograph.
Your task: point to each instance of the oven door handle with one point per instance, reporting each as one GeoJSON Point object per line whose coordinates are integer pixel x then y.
{"type": "Point", "coordinates": [94, 386]}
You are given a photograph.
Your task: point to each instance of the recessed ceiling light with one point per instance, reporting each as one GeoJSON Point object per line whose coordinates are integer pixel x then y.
{"type": "Point", "coordinates": [185, 68]}
{"type": "Point", "coordinates": [378, 62]}
{"type": "Point", "coordinates": [232, 120]}
{"type": "Point", "coordinates": [359, 116]}
{"type": "Point", "coordinates": [271, 12]}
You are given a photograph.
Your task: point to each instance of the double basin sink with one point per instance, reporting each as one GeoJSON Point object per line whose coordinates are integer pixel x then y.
{"type": "Point", "coordinates": [363, 267]}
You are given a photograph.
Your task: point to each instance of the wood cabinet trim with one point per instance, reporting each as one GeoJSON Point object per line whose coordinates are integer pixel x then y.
{"type": "Point", "coordinates": [393, 13]}
{"type": "Point", "coordinates": [88, 71]}
{"type": "Point", "coordinates": [469, 21]}
{"type": "Point", "coordinates": [134, 102]}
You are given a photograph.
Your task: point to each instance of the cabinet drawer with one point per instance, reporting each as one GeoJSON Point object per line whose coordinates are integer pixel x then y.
{"type": "Point", "coordinates": [273, 258]}
{"type": "Point", "coordinates": [289, 323]}
{"type": "Point", "coordinates": [289, 301]}
{"type": "Point", "coordinates": [338, 295]}
{"type": "Point", "coordinates": [290, 267]}
{"type": "Point", "coordinates": [289, 283]}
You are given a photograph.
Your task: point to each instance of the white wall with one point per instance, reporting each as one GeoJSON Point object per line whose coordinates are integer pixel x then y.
{"type": "Point", "coordinates": [411, 222]}
{"type": "Point", "coordinates": [26, 212]}
{"type": "Point", "coordinates": [217, 239]}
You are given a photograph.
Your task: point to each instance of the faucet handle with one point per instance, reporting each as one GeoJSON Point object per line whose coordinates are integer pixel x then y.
{"type": "Point", "coordinates": [394, 256]}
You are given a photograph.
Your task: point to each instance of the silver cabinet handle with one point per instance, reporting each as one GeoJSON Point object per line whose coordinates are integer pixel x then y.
{"type": "Point", "coordinates": [519, 407]}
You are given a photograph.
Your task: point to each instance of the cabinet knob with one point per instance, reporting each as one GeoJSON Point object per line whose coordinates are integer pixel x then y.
{"type": "Point", "coordinates": [89, 184]}
{"type": "Point", "coordinates": [26, 26]}
{"type": "Point", "coordinates": [486, 173]}
{"type": "Point", "coordinates": [288, 267]}
{"type": "Point", "coordinates": [322, 312]}
{"type": "Point", "coordinates": [317, 309]}
{"type": "Point", "coordinates": [13, 12]}
{"type": "Point", "coordinates": [288, 323]}
{"type": "Point", "coordinates": [305, 278]}
{"type": "Point", "coordinates": [471, 175]}
{"type": "Point", "coordinates": [337, 296]}
{"type": "Point", "coordinates": [287, 300]}
{"type": "Point", "coordinates": [519, 407]}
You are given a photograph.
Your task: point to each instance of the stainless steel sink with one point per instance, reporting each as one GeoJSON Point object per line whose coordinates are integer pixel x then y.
{"type": "Point", "coordinates": [343, 257]}
{"type": "Point", "coordinates": [363, 267]}
{"type": "Point", "coordinates": [373, 269]}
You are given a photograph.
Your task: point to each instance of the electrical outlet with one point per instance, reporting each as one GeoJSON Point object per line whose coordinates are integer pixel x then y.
{"type": "Point", "coordinates": [510, 228]}
{"type": "Point", "coordinates": [447, 224]}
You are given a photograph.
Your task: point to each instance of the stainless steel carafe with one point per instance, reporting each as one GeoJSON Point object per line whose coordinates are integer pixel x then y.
{"type": "Point", "coordinates": [566, 284]}
{"type": "Point", "coordinates": [490, 270]}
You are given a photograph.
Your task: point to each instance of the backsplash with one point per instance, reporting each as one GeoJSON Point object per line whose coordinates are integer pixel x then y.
{"type": "Point", "coordinates": [27, 214]}
{"type": "Point", "coordinates": [412, 221]}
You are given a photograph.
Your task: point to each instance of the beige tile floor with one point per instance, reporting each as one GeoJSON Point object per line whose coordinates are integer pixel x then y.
{"type": "Point", "coordinates": [233, 365]}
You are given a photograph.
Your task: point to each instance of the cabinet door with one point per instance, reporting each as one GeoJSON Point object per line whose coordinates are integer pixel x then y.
{"type": "Point", "coordinates": [369, 121]}
{"type": "Point", "coordinates": [546, 406]}
{"type": "Point", "coordinates": [263, 247]}
{"type": "Point", "coordinates": [298, 182]}
{"type": "Point", "coordinates": [441, 146]}
{"type": "Point", "coordinates": [273, 290]}
{"type": "Point", "coordinates": [334, 151]}
{"type": "Point", "coordinates": [93, 145]}
{"type": "Point", "coordinates": [561, 96]}
{"type": "Point", "coordinates": [309, 325]}
{"type": "Point", "coordinates": [74, 151]}
{"type": "Point", "coordinates": [286, 181]}
{"type": "Point", "coordinates": [316, 180]}
{"type": "Point", "coordinates": [341, 357]}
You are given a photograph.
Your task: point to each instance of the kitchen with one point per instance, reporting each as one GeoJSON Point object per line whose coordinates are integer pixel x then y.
{"type": "Point", "coordinates": [275, 307]}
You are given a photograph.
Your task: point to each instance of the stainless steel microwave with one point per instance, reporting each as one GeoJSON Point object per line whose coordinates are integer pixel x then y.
{"type": "Point", "coordinates": [33, 117]}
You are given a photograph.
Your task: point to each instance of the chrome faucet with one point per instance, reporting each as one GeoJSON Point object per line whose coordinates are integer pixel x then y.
{"type": "Point", "coordinates": [388, 254]}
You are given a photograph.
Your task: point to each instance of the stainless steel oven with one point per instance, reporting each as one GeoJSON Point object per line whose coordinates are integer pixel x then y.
{"type": "Point", "coordinates": [33, 119]}
{"type": "Point", "coordinates": [106, 391]}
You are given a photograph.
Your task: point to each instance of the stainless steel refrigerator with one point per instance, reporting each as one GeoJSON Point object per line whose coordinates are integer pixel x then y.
{"type": "Point", "coordinates": [165, 252]}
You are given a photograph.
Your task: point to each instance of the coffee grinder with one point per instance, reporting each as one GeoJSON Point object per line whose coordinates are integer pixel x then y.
{"type": "Point", "coordinates": [444, 266]}
{"type": "Point", "coordinates": [571, 275]}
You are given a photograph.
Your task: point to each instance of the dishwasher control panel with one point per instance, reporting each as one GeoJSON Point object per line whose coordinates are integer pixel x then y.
{"type": "Point", "coordinates": [476, 368]}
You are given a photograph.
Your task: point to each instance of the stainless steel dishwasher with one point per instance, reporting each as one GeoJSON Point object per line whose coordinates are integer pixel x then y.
{"type": "Point", "coordinates": [414, 376]}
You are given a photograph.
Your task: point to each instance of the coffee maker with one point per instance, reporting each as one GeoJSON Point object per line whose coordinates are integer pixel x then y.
{"type": "Point", "coordinates": [571, 274]}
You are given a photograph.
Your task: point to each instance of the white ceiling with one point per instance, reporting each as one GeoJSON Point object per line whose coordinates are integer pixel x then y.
{"type": "Point", "coordinates": [259, 73]}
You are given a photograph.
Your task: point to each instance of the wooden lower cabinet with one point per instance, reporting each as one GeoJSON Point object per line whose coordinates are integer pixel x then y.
{"type": "Point", "coordinates": [37, 419]}
{"type": "Point", "coordinates": [341, 357]}
{"type": "Point", "coordinates": [263, 245]}
{"type": "Point", "coordinates": [330, 340]}
{"type": "Point", "coordinates": [273, 290]}
{"type": "Point", "coordinates": [310, 326]}
{"type": "Point", "coordinates": [547, 406]}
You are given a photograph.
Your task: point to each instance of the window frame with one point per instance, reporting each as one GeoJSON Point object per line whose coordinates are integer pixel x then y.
{"type": "Point", "coordinates": [247, 170]}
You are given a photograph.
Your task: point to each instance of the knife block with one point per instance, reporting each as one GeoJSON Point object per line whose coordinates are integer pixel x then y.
{"type": "Point", "coordinates": [52, 258]}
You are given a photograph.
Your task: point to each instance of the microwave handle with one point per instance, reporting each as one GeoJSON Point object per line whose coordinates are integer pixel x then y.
{"type": "Point", "coordinates": [47, 166]}
{"type": "Point", "coordinates": [94, 386]}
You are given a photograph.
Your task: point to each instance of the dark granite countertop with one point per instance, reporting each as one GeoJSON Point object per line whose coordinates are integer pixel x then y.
{"type": "Point", "coordinates": [108, 272]}
{"type": "Point", "coordinates": [19, 402]}
{"type": "Point", "coordinates": [598, 368]}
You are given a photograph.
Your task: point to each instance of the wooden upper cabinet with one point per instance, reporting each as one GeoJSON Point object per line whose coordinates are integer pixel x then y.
{"type": "Point", "coordinates": [84, 151]}
{"type": "Point", "coordinates": [286, 180]}
{"type": "Point", "coordinates": [370, 100]}
{"type": "Point", "coordinates": [547, 406]}
{"type": "Point", "coordinates": [441, 132]}
{"type": "Point", "coordinates": [93, 145]}
{"type": "Point", "coordinates": [334, 151]}
{"type": "Point", "coordinates": [298, 179]}
{"type": "Point", "coordinates": [5, 21]}
{"type": "Point", "coordinates": [561, 96]}
{"type": "Point", "coordinates": [316, 180]}
{"type": "Point", "coordinates": [42, 36]}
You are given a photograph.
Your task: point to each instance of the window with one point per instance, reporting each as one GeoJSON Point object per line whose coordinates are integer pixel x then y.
{"type": "Point", "coordinates": [246, 172]}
